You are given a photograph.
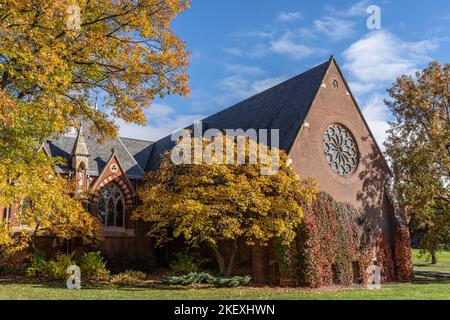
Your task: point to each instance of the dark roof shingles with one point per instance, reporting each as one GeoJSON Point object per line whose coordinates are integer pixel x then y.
{"type": "Point", "coordinates": [101, 152]}
{"type": "Point", "coordinates": [282, 107]}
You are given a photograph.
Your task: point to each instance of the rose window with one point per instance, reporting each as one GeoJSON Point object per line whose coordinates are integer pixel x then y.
{"type": "Point", "coordinates": [340, 149]}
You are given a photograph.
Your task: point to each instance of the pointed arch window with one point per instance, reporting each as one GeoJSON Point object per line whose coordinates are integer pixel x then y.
{"type": "Point", "coordinates": [111, 206]}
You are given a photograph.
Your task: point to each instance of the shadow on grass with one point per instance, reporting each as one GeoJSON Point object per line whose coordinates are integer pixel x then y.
{"type": "Point", "coordinates": [422, 279]}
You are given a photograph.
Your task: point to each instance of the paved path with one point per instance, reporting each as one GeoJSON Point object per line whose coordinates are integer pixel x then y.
{"type": "Point", "coordinates": [433, 273]}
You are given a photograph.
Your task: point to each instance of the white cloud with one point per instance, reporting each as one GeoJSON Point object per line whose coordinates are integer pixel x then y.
{"type": "Point", "coordinates": [253, 34]}
{"type": "Point", "coordinates": [373, 63]}
{"type": "Point", "coordinates": [376, 114]}
{"type": "Point", "coordinates": [361, 88]}
{"type": "Point", "coordinates": [239, 68]}
{"type": "Point", "coordinates": [238, 87]}
{"type": "Point", "coordinates": [258, 51]}
{"type": "Point", "coordinates": [380, 57]}
{"type": "Point", "coordinates": [234, 51]}
{"type": "Point", "coordinates": [287, 45]}
{"type": "Point", "coordinates": [162, 121]}
{"type": "Point", "coordinates": [288, 16]}
{"type": "Point", "coordinates": [336, 29]}
{"type": "Point", "coordinates": [358, 9]}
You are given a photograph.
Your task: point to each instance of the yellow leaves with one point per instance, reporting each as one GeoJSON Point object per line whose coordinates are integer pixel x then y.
{"type": "Point", "coordinates": [5, 232]}
{"type": "Point", "coordinates": [209, 203]}
{"type": "Point", "coordinates": [416, 147]}
{"type": "Point", "coordinates": [123, 51]}
{"type": "Point", "coordinates": [7, 109]}
{"type": "Point", "coordinates": [45, 200]}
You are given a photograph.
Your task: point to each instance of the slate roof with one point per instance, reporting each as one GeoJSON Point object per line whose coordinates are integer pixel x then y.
{"type": "Point", "coordinates": [282, 107]}
{"type": "Point", "coordinates": [132, 153]}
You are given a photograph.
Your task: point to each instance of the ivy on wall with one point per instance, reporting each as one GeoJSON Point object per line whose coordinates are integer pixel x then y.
{"type": "Point", "coordinates": [385, 259]}
{"type": "Point", "coordinates": [333, 248]}
{"type": "Point", "coordinates": [402, 254]}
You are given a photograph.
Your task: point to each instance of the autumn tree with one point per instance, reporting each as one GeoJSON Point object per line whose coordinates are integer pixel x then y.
{"type": "Point", "coordinates": [56, 59]}
{"type": "Point", "coordinates": [416, 148]}
{"type": "Point", "coordinates": [221, 203]}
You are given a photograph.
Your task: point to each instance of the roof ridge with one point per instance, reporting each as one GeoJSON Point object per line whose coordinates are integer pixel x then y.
{"type": "Point", "coordinates": [150, 141]}
{"type": "Point", "coordinates": [126, 149]}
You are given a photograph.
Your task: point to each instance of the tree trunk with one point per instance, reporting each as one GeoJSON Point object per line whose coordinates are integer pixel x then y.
{"type": "Point", "coordinates": [220, 259]}
{"type": "Point", "coordinates": [33, 238]}
{"type": "Point", "coordinates": [233, 257]}
{"type": "Point", "coordinates": [223, 267]}
{"type": "Point", "coordinates": [433, 257]}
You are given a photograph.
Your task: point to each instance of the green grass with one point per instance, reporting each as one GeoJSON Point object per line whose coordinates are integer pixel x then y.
{"type": "Point", "coordinates": [423, 262]}
{"type": "Point", "coordinates": [424, 288]}
{"type": "Point", "coordinates": [417, 291]}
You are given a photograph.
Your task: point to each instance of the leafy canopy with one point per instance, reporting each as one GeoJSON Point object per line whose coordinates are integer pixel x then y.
{"type": "Point", "coordinates": [416, 148]}
{"type": "Point", "coordinates": [217, 203]}
{"type": "Point", "coordinates": [54, 63]}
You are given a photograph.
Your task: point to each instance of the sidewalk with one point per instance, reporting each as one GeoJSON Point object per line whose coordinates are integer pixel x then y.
{"type": "Point", "coordinates": [433, 273]}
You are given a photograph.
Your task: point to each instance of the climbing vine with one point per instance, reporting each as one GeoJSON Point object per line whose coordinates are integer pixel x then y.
{"type": "Point", "coordinates": [332, 247]}
{"type": "Point", "coordinates": [402, 254]}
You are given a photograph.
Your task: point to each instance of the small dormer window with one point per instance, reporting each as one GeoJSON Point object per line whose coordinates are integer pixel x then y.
{"type": "Point", "coordinates": [335, 84]}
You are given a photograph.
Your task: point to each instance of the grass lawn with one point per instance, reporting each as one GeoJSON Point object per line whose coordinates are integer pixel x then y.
{"type": "Point", "coordinates": [422, 262]}
{"type": "Point", "coordinates": [416, 291]}
{"type": "Point", "coordinates": [424, 288]}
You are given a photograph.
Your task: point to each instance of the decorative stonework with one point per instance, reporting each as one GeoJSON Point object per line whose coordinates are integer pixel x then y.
{"type": "Point", "coordinates": [340, 149]}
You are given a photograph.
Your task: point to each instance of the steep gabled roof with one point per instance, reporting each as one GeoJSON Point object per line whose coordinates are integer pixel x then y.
{"type": "Point", "coordinates": [139, 149]}
{"type": "Point", "coordinates": [126, 151]}
{"type": "Point", "coordinates": [282, 107]}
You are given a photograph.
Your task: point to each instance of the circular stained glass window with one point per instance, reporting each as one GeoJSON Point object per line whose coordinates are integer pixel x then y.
{"type": "Point", "coordinates": [340, 150]}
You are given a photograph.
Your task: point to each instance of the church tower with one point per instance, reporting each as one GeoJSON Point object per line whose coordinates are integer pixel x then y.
{"type": "Point", "coordinates": [80, 157]}
{"type": "Point", "coordinates": [80, 152]}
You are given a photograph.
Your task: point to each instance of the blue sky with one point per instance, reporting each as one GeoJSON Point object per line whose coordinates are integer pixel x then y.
{"type": "Point", "coordinates": [240, 48]}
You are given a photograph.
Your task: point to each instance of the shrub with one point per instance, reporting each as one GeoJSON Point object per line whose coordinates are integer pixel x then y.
{"type": "Point", "coordinates": [15, 257]}
{"type": "Point", "coordinates": [186, 262]}
{"type": "Point", "coordinates": [231, 282]}
{"type": "Point", "coordinates": [188, 279]}
{"type": "Point", "coordinates": [128, 278]}
{"type": "Point", "coordinates": [38, 267]}
{"type": "Point", "coordinates": [204, 277]}
{"type": "Point", "coordinates": [92, 266]}
{"type": "Point", "coordinates": [57, 268]}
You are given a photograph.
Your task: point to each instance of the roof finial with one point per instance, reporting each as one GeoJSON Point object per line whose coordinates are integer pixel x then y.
{"type": "Point", "coordinates": [113, 150]}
